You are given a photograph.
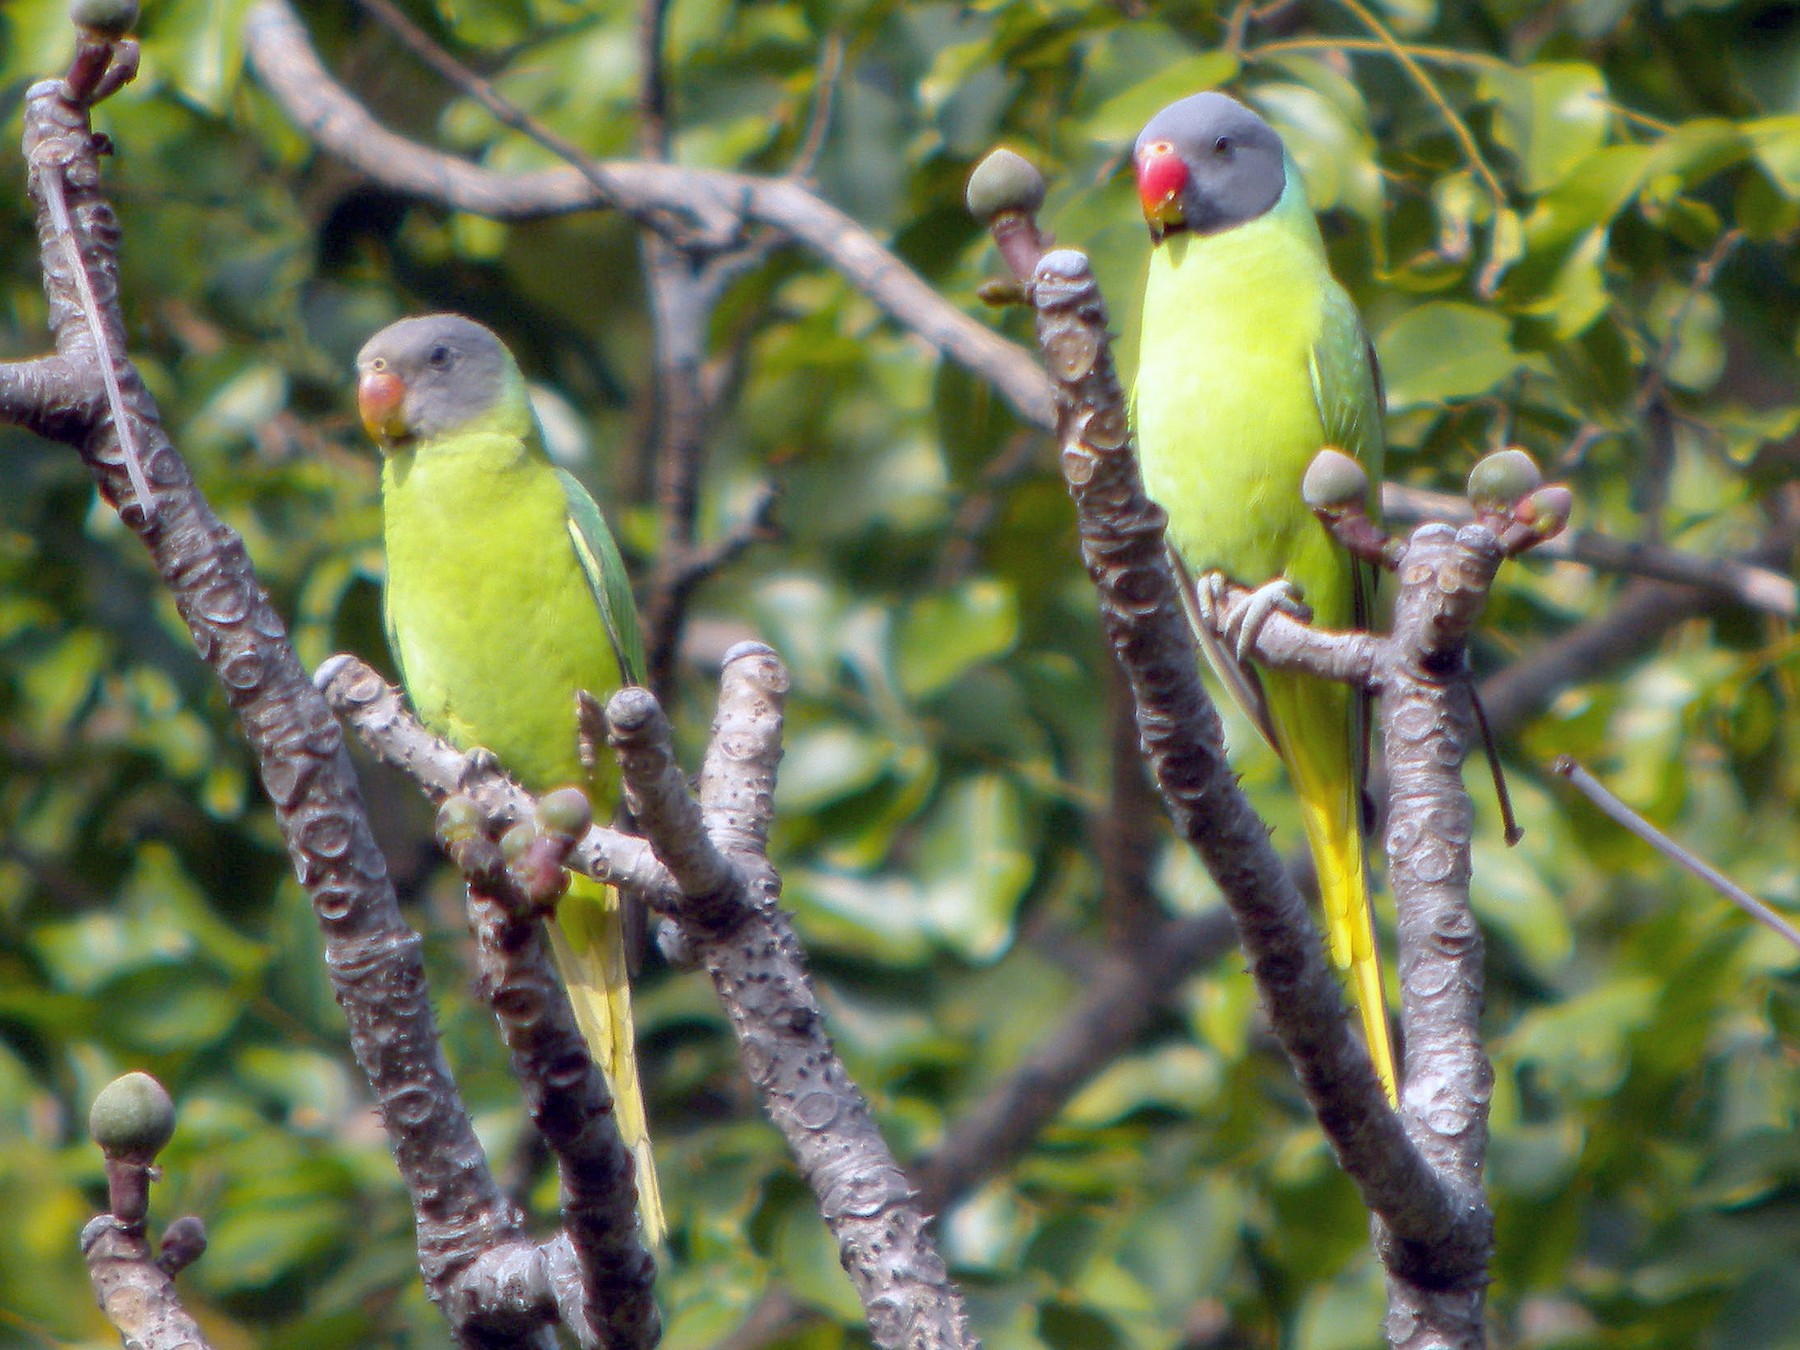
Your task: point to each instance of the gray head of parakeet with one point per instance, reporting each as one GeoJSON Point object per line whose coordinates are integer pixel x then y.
{"type": "Point", "coordinates": [1205, 164]}
{"type": "Point", "coordinates": [427, 377]}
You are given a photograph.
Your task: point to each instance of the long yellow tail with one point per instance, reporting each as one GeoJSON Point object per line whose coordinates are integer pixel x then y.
{"type": "Point", "coordinates": [589, 942]}
{"type": "Point", "coordinates": [1313, 730]}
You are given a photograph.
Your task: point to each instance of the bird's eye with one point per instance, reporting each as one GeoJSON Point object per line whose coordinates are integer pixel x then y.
{"type": "Point", "coordinates": [1222, 147]}
{"type": "Point", "coordinates": [438, 357]}
{"type": "Point", "coordinates": [379, 363]}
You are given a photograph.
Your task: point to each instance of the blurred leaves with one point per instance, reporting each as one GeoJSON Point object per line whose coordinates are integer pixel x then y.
{"type": "Point", "coordinates": [1549, 211]}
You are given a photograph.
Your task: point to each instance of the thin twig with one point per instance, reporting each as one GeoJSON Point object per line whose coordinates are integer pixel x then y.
{"type": "Point", "coordinates": [1745, 582]}
{"type": "Point", "coordinates": [721, 204]}
{"type": "Point", "coordinates": [818, 122]}
{"type": "Point", "coordinates": [506, 112]}
{"type": "Point", "coordinates": [52, 183]}
{"type": "Point", "coordinates": [1622, 815]}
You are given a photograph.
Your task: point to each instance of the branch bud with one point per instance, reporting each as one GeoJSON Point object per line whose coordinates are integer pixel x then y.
{"type": "Point", "coordinates": [565, 813]}
{"type": "Point", "coordinates": [459, 820]}
{"type": "Point", "coordinates": [1547, 510]}
{"type": "Point", "coordinates": [516, 840]}
{"type": "Point", "coordinates": [1334, 481]}
{"type": "Point", "coordinates": [1003, 182]}
{"type": "Point", "coordinates": [1501, 480]}
{"type": "Point", "coordinates": [110, 19]}
{"type": "Point", "coordinates": [132, 1118]}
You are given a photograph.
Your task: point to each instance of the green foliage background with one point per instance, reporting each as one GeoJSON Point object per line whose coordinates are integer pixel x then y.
{"type": "Point", "coordinates": [1522, 206]}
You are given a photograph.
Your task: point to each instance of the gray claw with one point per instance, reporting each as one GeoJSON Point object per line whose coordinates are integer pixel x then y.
{"type": "Point", "coordinates": [1279, 594]}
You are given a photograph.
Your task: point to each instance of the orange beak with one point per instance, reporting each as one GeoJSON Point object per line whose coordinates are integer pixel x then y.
{"type": "Point", "coordinates": [1161, 178]}
{"type": "Point", "coordinates": [381, 396]}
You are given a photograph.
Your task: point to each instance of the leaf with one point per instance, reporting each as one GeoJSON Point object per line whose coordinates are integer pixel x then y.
{"type": "Point", "coordinates": [827, 764]}
{"type": "Point", "coordinates": [1444, 350]}
{"type": "Point", "coordinates": [1123, 115]}
{"type": "Point", "coordinates": [195, 47]}
{"type": "Point", "coordinates": [945, 634]}
{"type": "Point", "coordinates": [1334, 150]}
{"type": "Point", "coordinates": [1776, 145]}
{"type": "Point", "coordinates": [974, 865]}
{"type": "Point", "coordinates": [1692, 323]}
{"type": "Point", "coordinates": [1552, 116]}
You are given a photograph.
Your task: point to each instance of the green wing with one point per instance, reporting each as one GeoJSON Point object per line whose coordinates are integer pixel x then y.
{"type": "Point", "coordinates": [1346, 383]}
{"type": "Point", "coordinates": [1346, 380]}
{"type": "Point", "coordinates": [606, 577]}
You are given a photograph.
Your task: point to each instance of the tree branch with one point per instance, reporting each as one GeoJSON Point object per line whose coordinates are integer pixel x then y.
{"type": "Point", "coordinates": [611, 1303]}
{"type": "Point", "coordinates": [711, 873]}
{"type": "Point", "coordinates": [717, 206]}
{"type": "Point", "coordinates": [1744, 582]}
{"type": "Point", "coordinates": [1123, 547]}
{"type": "Point", "coordinates": [1122, 998]}
{"type": "Point", "coordinates": [373, 957]}
{"type": "Point", "coordinates": [735, 927]}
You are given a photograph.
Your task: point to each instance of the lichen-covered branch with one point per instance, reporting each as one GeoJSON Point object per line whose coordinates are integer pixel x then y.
{"type": "Point", "coordinates": [373, 957]}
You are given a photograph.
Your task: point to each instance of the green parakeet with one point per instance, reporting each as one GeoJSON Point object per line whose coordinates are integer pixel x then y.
{"type": "Point", "coordinates": [505, 595]}
{"type": "Point", "coordinates": [1253, 358]}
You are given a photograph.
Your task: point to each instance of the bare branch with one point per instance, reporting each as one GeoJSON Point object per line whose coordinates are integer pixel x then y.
{"type": "Point", "coordinates": [373, 957]}
{"type": "Point", "coordinates": [747, 945]}
{"type": "Point", "coordinates": [1122, 545]}
{"type": "Point", "coordinates": [1122, 998]}
{"type": "Point", "coordinates": [377, 712]}
{"type": "Point", "coordinates": [131, 1120]}
{"type": "Point", "coordinates": [731, 920]}
{"type": "Point", "coordinates": [719, 205]}
{"type": "Point", "coordinates": [1624, 817]}
{"type": "Point", "coordinates": [1748, 584]}
{"type": "Point", "coordinates": [135, 1292]}
{"type": "Point", "coordinates": [503, 110]}
{"type": "Point", "coordinates": [565, 1094]}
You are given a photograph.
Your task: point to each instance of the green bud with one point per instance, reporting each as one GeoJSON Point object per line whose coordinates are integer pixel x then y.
{"type": "Point", "coordinates": [516, 840]}
{"type": "Point", "coordinates": [1004, 181]}
{"type": "Point", "coordinates": [564, 813]}
{"type": "Point", "coordinates": [1547, 510]}
{"type": "Point", "coordinates": [458, 821]}
{"type": "Point", "coordinates": [1333, 481]}
{"type": "Point", "coordinates": [1499, 481]}
{"type": "Point", "coordinates": [104, 18]}
{"type": "Point", "coordinates": [132, 1117]}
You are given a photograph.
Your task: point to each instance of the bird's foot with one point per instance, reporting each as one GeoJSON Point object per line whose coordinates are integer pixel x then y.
{"type": "Point", "coordinates": [1239, 624]}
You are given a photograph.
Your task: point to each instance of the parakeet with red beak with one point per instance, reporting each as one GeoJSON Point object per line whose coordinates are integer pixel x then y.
{"type": "Point", "coordinates": [505, 595]}
{"type": "Point", "coordinates": [1252, 359]}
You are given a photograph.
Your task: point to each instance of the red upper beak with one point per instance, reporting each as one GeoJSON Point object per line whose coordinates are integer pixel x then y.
{"type": "Point", "coordinates": [381, 396]}
{"type": "Point", "coordinates": [1161, 179]}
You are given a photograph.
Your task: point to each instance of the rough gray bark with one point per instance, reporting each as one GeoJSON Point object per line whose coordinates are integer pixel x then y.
{"type": "Point", "coordinates": [1418, 1172]}
{"type": "Point", "coordinates": [736, 930]}
{"type": "Point", "coordinates": [372, 955]}
{"type": "Point", "coordinates": [710, 872]}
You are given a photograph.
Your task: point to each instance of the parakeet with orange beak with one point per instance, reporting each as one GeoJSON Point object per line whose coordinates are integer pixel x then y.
{"type": "Point", "coordinates": [505, 595]}
{"type": "Point", "coordinates": [1252, 359]}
